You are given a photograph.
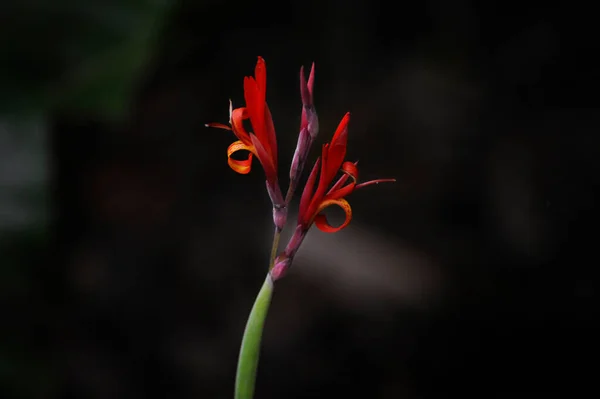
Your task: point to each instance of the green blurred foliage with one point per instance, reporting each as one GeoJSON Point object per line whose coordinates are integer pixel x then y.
{"type": "Point", "coordinates": [75, 56]}
{"type": "Point", "coordinates": [67, 57]}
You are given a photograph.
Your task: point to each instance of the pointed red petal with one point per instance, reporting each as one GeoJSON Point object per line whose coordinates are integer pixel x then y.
{"type": "Point", "coordinates": [341, 133]}
{"type": "Point", "coordinates": [260, 76]}
{"type": "Point", "coordinates": [260, 73]}
{"type": "Point", "coordinates": [237, 125]}
{"type": "Point", "coordinates": [337, 148]}
{"type": "Point", "coordinates": [306, 88]}
{"type": "Point", "coordinates": [305, 200]}
{"type": "Point", "coordinates": [272, 137]}
{"type": "Point", "coordinates": [265, 159]}
{"type": "Point", "coordinates": [311, 80]}
{"type": "Point", "coordinates": [252, 98]}
{"type": "Point", "coordinates": [342, 192]}
{"type": "Point", "coordinates": [255, 96]}
{"type": "Point", "coordinates": [317, 198]}
{"type": "Point", "coordinates": [323, 182]}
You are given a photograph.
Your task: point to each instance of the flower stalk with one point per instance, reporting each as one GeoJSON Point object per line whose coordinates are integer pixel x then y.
{"type": "Point", "coordinates": [250, 348]}
{"type": "Point", "coordinates": [318, 194]}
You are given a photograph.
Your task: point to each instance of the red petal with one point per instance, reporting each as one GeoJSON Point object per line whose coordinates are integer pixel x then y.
{"type": "Point", "coordinates": [260, 73]}
{"type": "Point", "coordinates": [272, 137]}
{"type": "Point", "coordinates": [237, 124]}
{"type": "Point", "coordinates": [341, 133]}
{"type": "Point", "coordinates": [265, 159]}
{"type": "Point", "coordinates": [254, 93]}
{"type": "Point", "coordinates": [323, 182]}
{"type": "Point", "coordinates": [337, 148]}
{"type": "Point", "coordinates": [311, 80]}
{"type": "Point", "coordinates": [306, 198]}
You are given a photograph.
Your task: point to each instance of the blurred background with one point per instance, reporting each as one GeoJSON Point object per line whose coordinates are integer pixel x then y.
{"type": "Point", "coordinates": [131, 254]}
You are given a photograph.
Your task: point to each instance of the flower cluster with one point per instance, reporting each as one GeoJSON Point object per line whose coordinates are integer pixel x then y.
{"type": "Point", "coordinates": [319, 192]}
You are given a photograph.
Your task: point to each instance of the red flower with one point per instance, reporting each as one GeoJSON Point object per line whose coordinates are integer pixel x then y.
{"type": "Point", "coordinates": [313, 202]}
{"type": "Point", "coordinates": [262, 143]}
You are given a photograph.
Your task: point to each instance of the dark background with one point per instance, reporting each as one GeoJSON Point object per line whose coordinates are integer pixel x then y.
{"type": "Point", "coordinates": [131, 254]}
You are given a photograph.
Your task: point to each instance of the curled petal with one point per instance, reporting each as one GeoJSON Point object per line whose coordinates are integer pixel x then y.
{"type": "Point", "coordinates": [349, 170]}
{"type": "Point", "coordinates": [240, 166]}
{"type": "Point", "coordinates": [339, 190]}
{"type": "Point", "coordinates": [321, 220]}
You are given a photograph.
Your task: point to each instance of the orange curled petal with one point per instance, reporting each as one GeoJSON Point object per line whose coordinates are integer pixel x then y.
{"type": "Point", "coordinates": [240, 166]}
{"type": "Point", "coordinates": [321, 220]}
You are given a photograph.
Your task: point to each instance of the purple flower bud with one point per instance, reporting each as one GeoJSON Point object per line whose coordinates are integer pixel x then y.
{"type": "Point", "coordinates": [309, 120]}
{"type": "Point", "coordinates": [312, 121]}
{"type": "Point", "coordinates": [279, 206]}
{"type": "Point", "coordinates": [279, 216]}
{"type": "Point", "coordinates": [284, 261]}
{"type": "Point", "coordinates": [275, 194]}
{"type": "Point", "coordinates": [301, 153]}
{"type": "Point", "coordinates": [309, 127]}
{"type": "Point", "coordinates": [280, 268]}
{"type": "Point", "coordinates": [295, 242]}
{"type": "Point", "coordinates": [306, 88]}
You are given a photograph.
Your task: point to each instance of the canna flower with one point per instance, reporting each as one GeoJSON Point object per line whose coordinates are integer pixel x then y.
{"type": "Point", "coordinates": [262, 143]}
{"type": "Point", "coordinates": [314, 201]}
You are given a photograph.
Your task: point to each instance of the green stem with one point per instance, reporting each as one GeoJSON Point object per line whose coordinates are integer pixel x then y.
{"type": "Point", "coordinates": [290, 193]}
{"type": "Point", "coordinates": [249, 352]}
{"type": "Point", "coordinates": [274, 248]}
